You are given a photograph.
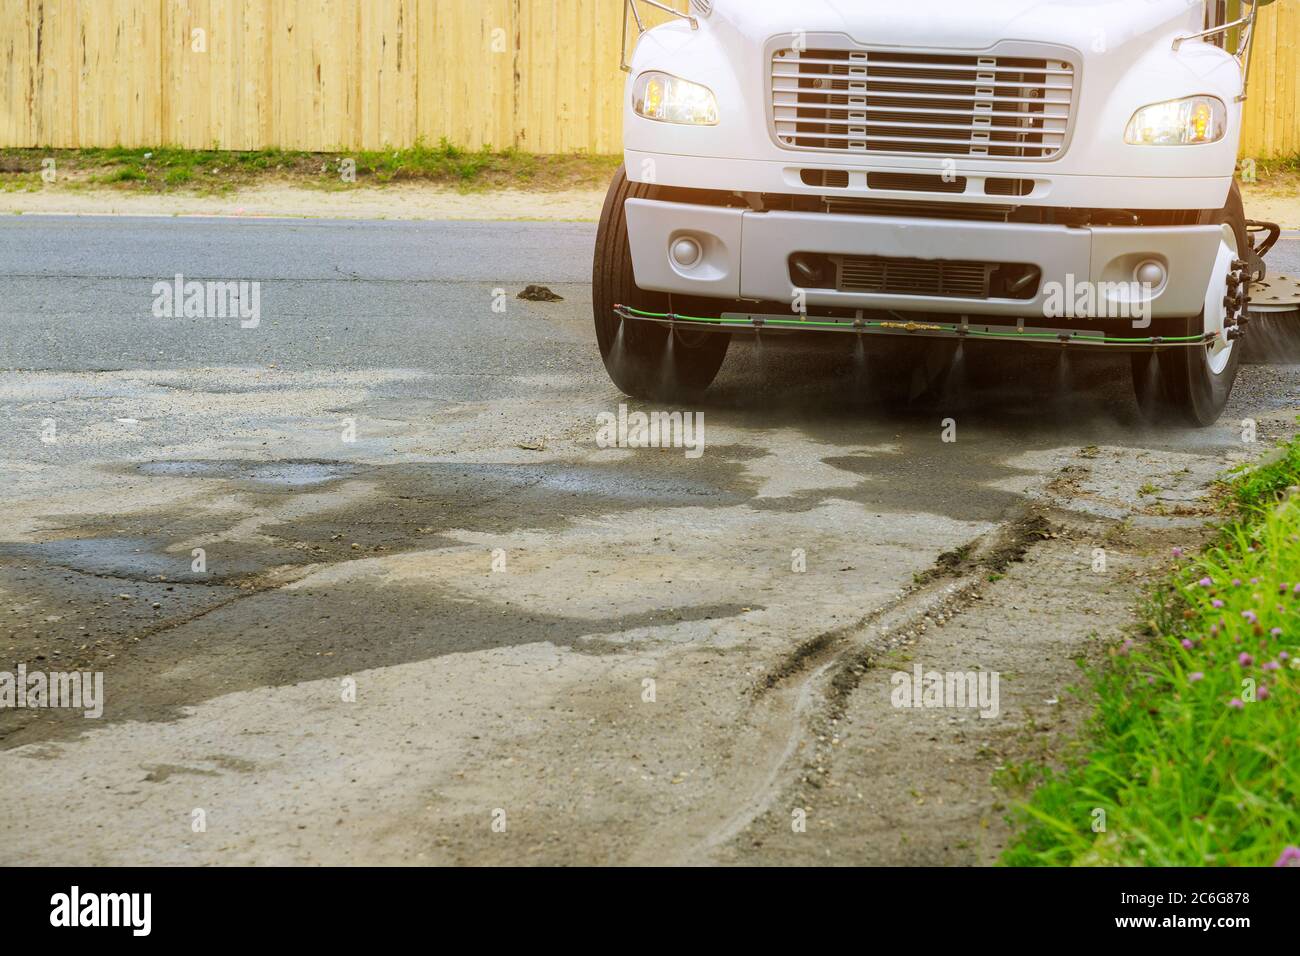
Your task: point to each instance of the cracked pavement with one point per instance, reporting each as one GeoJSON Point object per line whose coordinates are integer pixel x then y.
{"type": "Point", "coordinates": [643, 678]}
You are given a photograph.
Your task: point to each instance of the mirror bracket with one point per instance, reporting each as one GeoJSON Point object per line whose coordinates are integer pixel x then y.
{"type": "Point", "coordinates": [641, 27]}
{"type": "Point", "coordinates": [1245, 44]}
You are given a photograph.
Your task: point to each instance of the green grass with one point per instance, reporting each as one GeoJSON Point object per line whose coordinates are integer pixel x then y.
{"type": "Point", "coordinates": [127, 174]}
{"type": "Point", "coordinates": [1280, 175]}
{"type": "Point", "coordinates": [1189, 765]}
{"type": "Point", "coordinates": [446, 162]}
{"type": "Point", "coordinates": [1281, 166]}
{"type": "Point", "coordinates": [168, 169]}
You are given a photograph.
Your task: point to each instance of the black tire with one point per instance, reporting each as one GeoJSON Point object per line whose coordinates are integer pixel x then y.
{"type": "Point", "coordinates": [640, 361]}
{"type": "Point", "coordinates": [1179, 385]}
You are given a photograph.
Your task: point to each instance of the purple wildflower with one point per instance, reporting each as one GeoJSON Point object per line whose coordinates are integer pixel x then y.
{"type": "Point", "coordinates": [1194, 676]}
{"type": "Point", "coordinates": [1290, 857]}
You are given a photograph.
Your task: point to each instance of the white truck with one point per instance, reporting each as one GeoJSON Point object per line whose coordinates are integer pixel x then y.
{"type": "Point", "coordinates": [923, 174]}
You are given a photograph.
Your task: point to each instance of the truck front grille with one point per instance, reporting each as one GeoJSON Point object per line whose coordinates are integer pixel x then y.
{"type": "Point", "coordinates": [886, 101]}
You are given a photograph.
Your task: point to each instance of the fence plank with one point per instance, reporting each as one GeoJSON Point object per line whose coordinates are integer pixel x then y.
{"type": "Point", "coordinates": [17, 76]}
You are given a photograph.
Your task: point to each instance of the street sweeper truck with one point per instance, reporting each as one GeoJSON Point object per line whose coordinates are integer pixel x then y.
{"type": "Point", "coordinates": [914, 177]}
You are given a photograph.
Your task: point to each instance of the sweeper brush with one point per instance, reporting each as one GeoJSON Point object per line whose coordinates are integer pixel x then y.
{"type": "Point", "coordinates": [1274, 337]}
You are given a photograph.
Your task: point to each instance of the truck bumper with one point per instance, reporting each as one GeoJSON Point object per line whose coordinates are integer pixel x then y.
{"type": "Point", "coordinates": [746, 254]}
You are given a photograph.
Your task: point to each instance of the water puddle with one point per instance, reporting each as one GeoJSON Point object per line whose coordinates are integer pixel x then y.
{"type": "Point", "coordinates": [131, 558]}
{"type": "Point", "coordinates": [294, 474]}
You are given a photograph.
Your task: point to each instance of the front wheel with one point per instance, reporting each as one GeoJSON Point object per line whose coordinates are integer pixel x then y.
{"type": "Point", "coordinates": [1191, 385]}
{"type": "Point", "coordinates": [644, 359]}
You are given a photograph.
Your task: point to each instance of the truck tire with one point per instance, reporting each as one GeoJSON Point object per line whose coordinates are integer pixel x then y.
{"type": "Point", "coordinates": [639, 357]}
{"type": "Point", "coordinates": [1191, 386]}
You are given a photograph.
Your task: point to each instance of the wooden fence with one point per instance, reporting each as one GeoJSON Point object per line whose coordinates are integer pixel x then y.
{"type": "Point", "coordinates": [1273, 106]}
{"type": "Point", "coordinates": [539, 75]}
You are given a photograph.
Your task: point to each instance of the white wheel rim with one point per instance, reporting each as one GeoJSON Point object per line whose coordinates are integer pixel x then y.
{"type": "Point", "coordinates": [1219, 351]}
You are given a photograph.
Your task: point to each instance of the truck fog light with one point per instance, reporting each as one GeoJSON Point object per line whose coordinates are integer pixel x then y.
{"type": "Point", "coordinates": [807, 270]}
{"type": "Point", "coordinates": [685, 252]}
{"type": "Point", "coordinates": [1151, 274]}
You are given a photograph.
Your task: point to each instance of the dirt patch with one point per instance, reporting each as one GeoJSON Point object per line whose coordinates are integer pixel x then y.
{"type": "Point", "coordinates": [1275, 195]}
{"type": "Point", "coordinates": [873, 782]}
{"type": "Point", "coordinates": [539, 293]}
{"type": "Point", "coordinates": [104, 587]}
{"type": "Point", "coordinates": [399, 201]}
{"type": "Point", "coordinates": [1279, 204]}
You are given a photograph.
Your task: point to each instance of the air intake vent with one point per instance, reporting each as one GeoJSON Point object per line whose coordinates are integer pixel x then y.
{"type": "Point", "coordinates": [1008, 187]}
{"type": "Point", "coordinates": [917, 208]}
{"type": "Point", "coordinates": [916, 183]}
{"type": "Point", "coordinates": [887, 101]}
{"type": "Point", "coordinates": [825, 178]}
{"type": "Point", "coordinates": [965, 280]}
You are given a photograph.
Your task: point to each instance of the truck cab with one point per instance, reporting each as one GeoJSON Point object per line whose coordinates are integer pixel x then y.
{"type": "Point", "coordinates": [910, 177]}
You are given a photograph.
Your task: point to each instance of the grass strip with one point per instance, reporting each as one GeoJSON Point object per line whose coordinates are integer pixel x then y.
{"type": "Point", "coordinates": [1192, 754]}
{"type": "Point", "coordinates": [164, 169]}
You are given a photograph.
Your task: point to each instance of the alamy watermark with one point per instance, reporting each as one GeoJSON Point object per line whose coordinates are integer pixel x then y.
{"type": "Point", "coordinates": [209, 300]}
{"type": "Point", "coordinates": [654, 430]}
{"type": "Point", "coordinates": [130, 910]}
{"type": "Point", "coordinates": [37, 689]}
{"type": "Point", "coordinates": [1098, 300]}
{"type": "Point", "coordinates": [959, 690]}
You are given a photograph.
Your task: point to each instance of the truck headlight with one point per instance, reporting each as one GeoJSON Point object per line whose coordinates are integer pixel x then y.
{"type": "Point", "coordinates": [1186, 122]}
{"type": "Point", "coordinates": [669, 99]}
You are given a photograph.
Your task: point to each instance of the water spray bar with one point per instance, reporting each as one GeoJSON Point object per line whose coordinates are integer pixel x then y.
{"type": "Point", "coordinates": [755, 323]}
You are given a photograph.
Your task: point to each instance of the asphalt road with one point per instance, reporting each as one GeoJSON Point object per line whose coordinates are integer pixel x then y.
{"type": "Point", "coordinates": [397, 492]}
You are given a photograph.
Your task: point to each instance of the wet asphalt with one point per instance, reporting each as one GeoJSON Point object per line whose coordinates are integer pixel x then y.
{"type": "Point", "coordinates": [476, 419]}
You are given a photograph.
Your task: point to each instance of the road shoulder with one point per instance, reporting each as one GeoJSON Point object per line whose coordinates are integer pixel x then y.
{"type": "Point", "coordinates": [398, 202]}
